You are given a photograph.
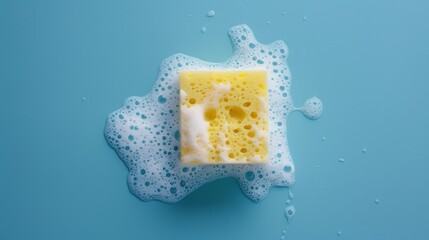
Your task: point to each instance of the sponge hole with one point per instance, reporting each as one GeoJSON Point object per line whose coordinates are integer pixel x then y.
{"type": "Point", "coordinates": [192, 100]}
{"type": "Point", "coordinates": [237, 113]}
{"type": "Point", "coordinates": [247, 104]}
{"type": "Point", "coordinates": [210, 114]}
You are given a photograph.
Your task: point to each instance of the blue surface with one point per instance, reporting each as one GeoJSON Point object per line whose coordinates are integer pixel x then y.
{"type": "Point", "coordinates": [365, 59]}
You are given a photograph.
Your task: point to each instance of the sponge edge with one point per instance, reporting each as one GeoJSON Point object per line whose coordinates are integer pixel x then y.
{"type": "Point", "coordinates": [224, 117]}
{"type": "Point", "coordinates": [145, 130]}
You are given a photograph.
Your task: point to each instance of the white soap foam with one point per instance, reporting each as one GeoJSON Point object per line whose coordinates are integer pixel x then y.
{"type": "Point", "coordinates": [145, 131]}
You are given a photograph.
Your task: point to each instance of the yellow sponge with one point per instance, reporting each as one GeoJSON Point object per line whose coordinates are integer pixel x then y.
{"type": "Point", "coordinates": [224, 117]}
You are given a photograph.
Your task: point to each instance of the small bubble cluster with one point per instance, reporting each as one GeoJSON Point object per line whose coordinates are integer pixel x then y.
{"type": "Point", "coordinates": [312, 108]}
{"type": "Point", "coordinates": [145, 131]}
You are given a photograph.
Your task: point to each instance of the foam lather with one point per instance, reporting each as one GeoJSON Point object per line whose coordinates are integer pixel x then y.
{"type": "Point", "coordinates": [145, 131]}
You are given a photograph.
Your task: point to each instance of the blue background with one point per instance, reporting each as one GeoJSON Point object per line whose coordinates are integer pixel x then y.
{"type": "Point", "coordinates": [367, 61]}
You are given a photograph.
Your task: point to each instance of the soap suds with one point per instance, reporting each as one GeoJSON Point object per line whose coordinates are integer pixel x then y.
{"type": "Point", "coordinates": [145, 131]}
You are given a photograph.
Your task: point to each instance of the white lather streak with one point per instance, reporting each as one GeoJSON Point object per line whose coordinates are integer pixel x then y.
{"type": "Point", "coordinates": [195, 135]}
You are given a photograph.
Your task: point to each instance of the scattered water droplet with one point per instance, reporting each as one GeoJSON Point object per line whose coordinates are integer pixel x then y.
{"type": "Point", "coordinates": [211, 13]}
{"type": "Point", "coordinates": [317, 166]}
{"type": "Point", "coordinates": [288, 202]}
{"type": "Point", "coordinates": [377, 201]}
{"type": "Point", "coordinates": [290, 194]}
{"type": "Point", "coordinates": [341, 160]}
{"type": "Point", "coordinates": [339, 233]}
{"type": "Point", "coordinates": [304, 19]}
{"type": "Point", "coordinates": [363, 150]}
{"type": "Point", "coordinates": [83, 99]}
{"type": "Point", "coordinates": [203, 29]}
{"type": "Point", "coordinates": [268, 22]}
{"type": "Point", "coordinates": [323, 138]}
{"type": "Point", "coordinates": [283, 13]}
{"type": "Point", "coordinates": [189, 15]}
{"type": "Point", "coordinates": [289, 212]}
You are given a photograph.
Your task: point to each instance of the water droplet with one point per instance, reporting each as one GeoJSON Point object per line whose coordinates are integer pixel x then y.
{"type": "Point", "coordinates": [211, 13]}
{"type": "Point", "coordinates": [189, 15]}
{"type": "Point", "coordinates": [363, 150]}
{"type": "Point", "coordinates": [377, 201]}
{"type": "Point", "coordinates": [323, 138]}
{"type": "Point", "coordinates": [203, 29]}
{"type": "Point", "coordinates": [339, 233]}
{"type": "Point", "coordinates": [289, 212]}
{"type": "Point", "coordinates": [283, 13]}
{"type": "Point", "coordinates": [304, 19]}
{"type": "Point", "coordinates": [83, 99]}
{"type": "Point", "coordinates": [341, 160]}
{"type": "Point", "coordinates": [290, 194]}
{"type": "Point", "coordinates": [317, 166]}
{"type": "Point", "coordinates": [268, 22]}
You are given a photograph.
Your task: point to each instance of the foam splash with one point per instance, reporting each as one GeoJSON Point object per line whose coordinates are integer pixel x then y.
{"type": "Point", "coordinates": [145, 131]}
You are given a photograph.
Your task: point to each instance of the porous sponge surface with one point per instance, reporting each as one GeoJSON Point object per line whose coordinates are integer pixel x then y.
{"type": "Point", "coordinates": [224, 117]}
